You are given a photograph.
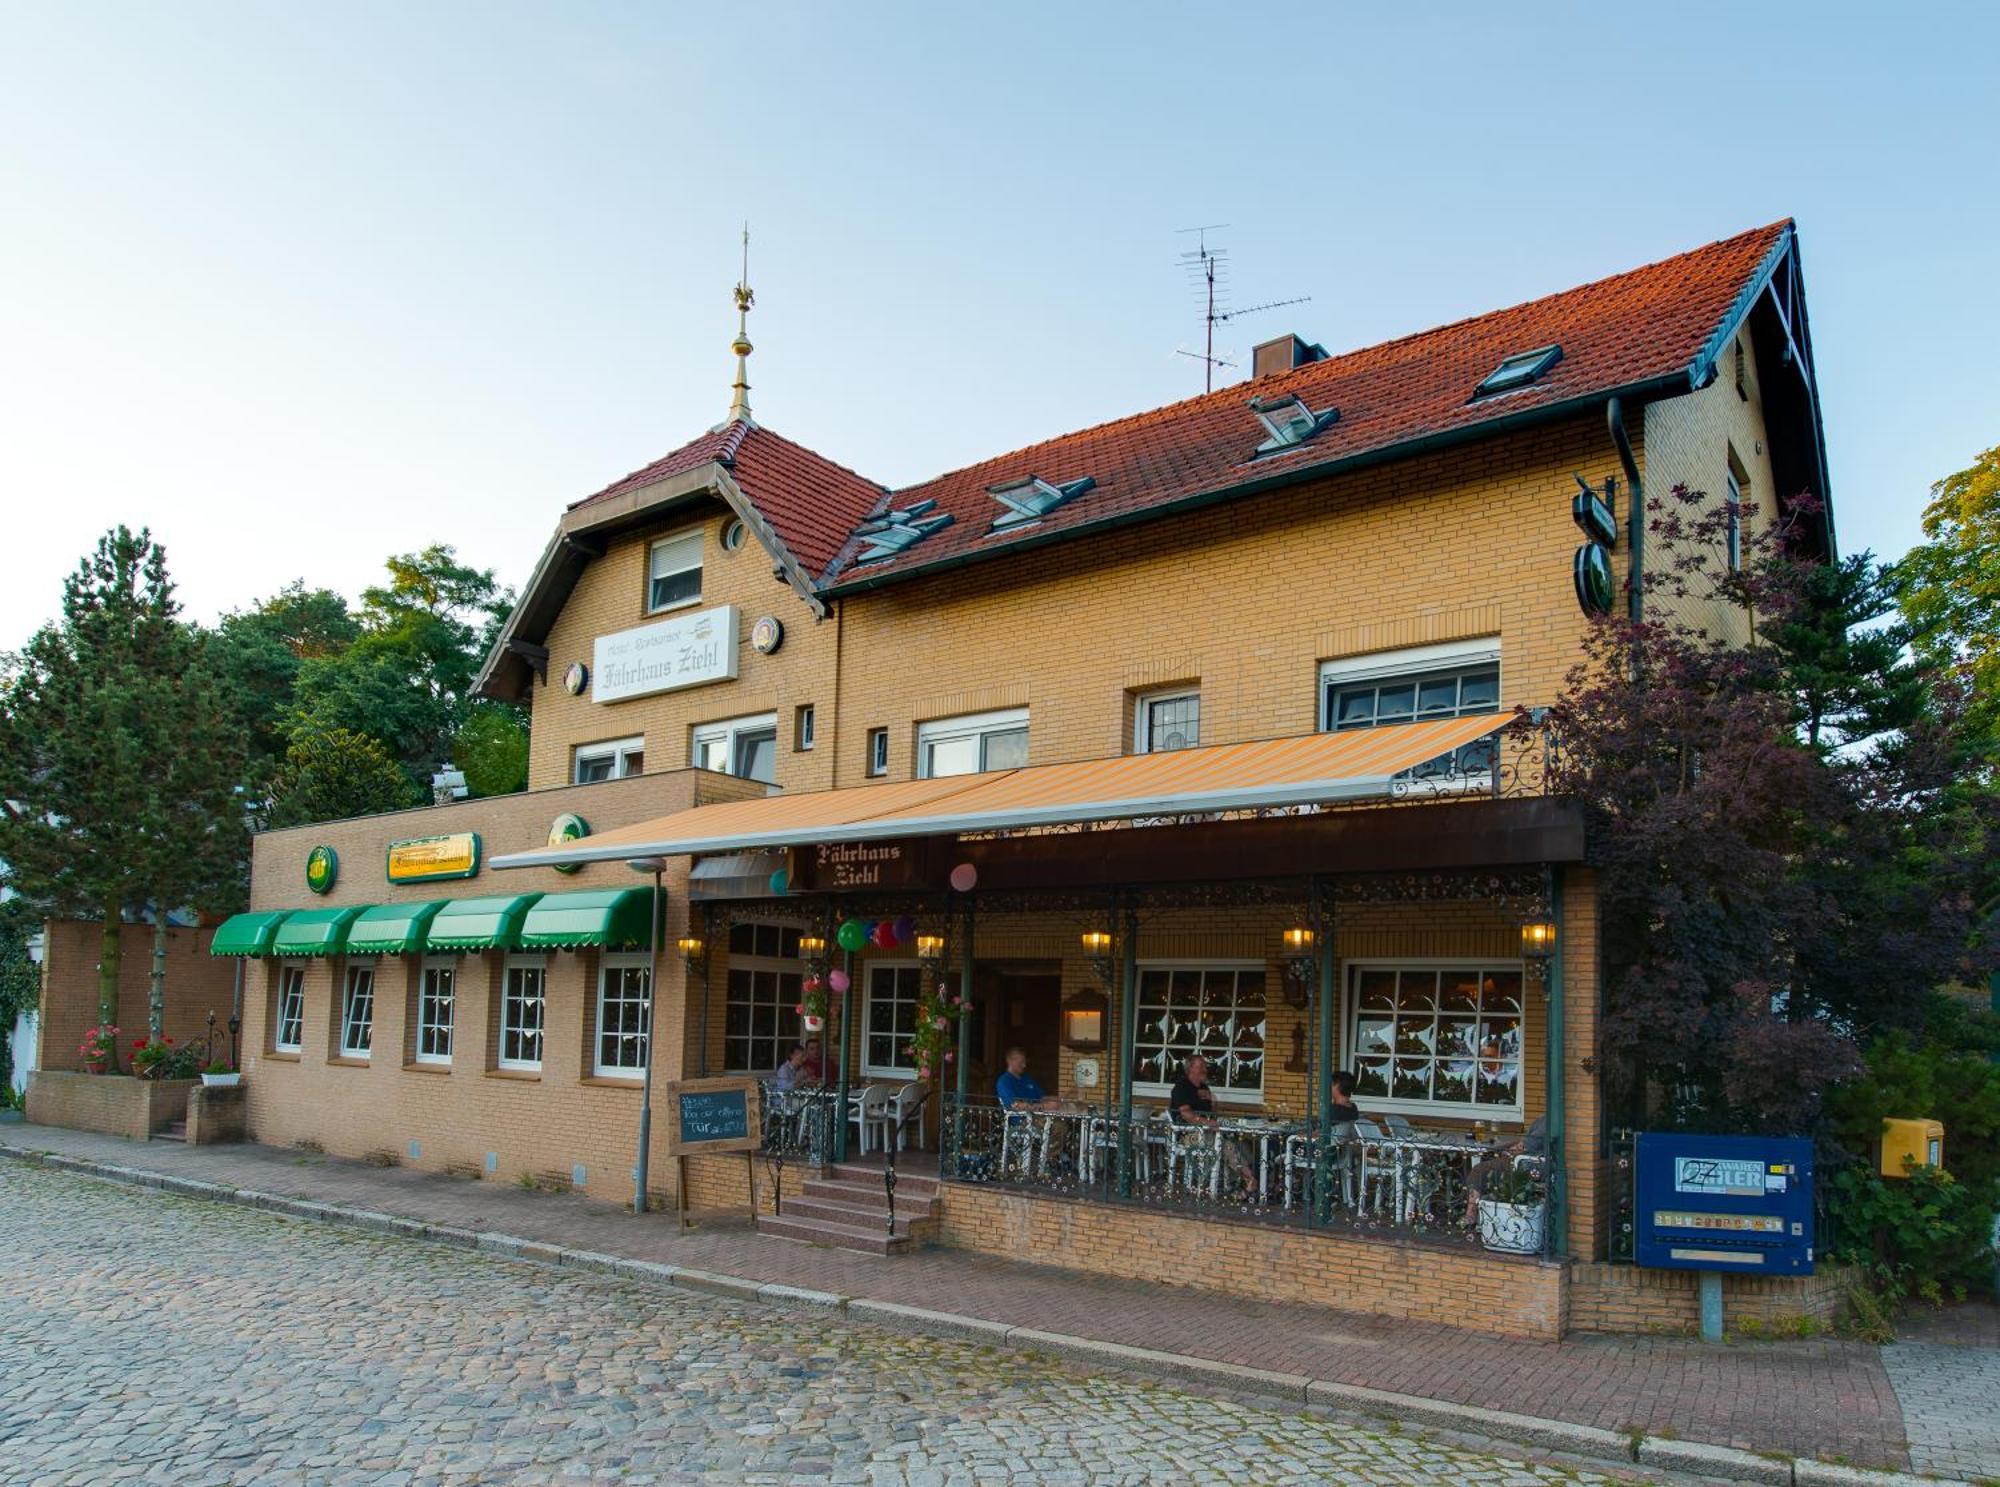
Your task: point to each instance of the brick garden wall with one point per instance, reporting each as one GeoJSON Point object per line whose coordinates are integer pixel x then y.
{"type": "Point", "coordinates": [196, 984]}
{"type": "Point", "coordinates": [1628, 1298]}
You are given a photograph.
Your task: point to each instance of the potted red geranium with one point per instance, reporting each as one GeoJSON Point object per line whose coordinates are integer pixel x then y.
{"type": "Point", "coordinates": [99, 1049]}
{"type": "Point", "coordinates": [149, 1053]}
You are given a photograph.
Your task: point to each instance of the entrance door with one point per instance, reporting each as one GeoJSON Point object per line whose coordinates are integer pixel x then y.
{"type": "Point", "coordinates": [1022, 1009]}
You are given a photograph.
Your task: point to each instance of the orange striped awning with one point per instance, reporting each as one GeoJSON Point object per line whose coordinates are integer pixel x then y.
{"type": "Point", "coordinates": [1316, 769]}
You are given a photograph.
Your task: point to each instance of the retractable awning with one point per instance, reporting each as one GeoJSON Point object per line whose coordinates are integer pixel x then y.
{"type": "Point", "coordinates": [247, 934]}
{"type": "Point", "coordinates": [490, 923]}
{"type": "Point", "coordinates": [393, 929]}
{"type": "Point", "coordinates": [612, 918]}
{"type": "Point", "coordinates": [315, 931]}
{"type": "Point", "coordinates": [1317, 769]}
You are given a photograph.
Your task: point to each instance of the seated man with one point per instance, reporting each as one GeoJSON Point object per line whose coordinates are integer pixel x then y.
{"type": "Point", "coordinates": [1016, 1088]}
{"type": "Point", "coordinates": [1191, 1104]}
{"type": "Point", "coordinates": [1344, 1111]}
{"type": "Point", "coordinates": [792, 1072]}
{"type": "Point", "coordinates": [815, 1068]}
{"type": "Point", "coordinates": [1533, 1142]}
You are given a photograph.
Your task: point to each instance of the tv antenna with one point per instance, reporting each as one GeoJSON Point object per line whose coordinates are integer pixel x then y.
{"type": "Point", "coordinates": [1208, 273]}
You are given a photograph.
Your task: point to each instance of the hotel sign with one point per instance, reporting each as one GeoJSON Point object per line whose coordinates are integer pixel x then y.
{"type": "Point", "coordinates": [685, 651]}
{"type": "Point", "coordinates": [426, 859]}
{"type": "Point", "coordinates": [838, 865]}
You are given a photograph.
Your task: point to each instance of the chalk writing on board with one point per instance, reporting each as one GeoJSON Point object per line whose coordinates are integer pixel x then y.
{"type": "Point", "coordinates": [714, 1115]}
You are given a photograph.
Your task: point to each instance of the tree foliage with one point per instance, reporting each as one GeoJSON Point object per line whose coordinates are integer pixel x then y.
{"type": "Point", "coordinates": [333, 773]}
{"type": "Point", "coordinates": [1781, 880]}
{"type": "Point", "coordinates": [492, 749]}
{"type": "Point", "coordinates": [119, 757]}
{"type": "Point", "coordinates": [1950, 584]}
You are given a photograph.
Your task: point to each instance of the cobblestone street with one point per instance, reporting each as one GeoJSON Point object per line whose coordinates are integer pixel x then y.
{"type": "Point", "coordinates": [148, 1337]}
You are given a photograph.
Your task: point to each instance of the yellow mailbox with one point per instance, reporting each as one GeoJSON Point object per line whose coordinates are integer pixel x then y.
{"type": "Point", "coordinates": [1921, 1141]}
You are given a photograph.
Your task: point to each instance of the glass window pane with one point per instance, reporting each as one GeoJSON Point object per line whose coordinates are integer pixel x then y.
{"type": "Point", "coordinates": [1479, 691]}
{"type": "Point", "coordinates": [1371, 1077]}
{"type": "Point", "coordinates": [1007, 750]}
{"type": "Point", "coordinates": [1499, 1084]}
{"type": "Point", "coordinates": [1396, 703]}
{"type": "Point", "coordinates": [1354, 708]}
{"type": "Point", "coordinates": [1416, 991]}
{"type": "Point", "coordinates": [1437, 696]}
{"type": "Point", "coordinates": [757, 755]}
{"type": "Point", "coordinates": [1413, 1079]}
{"type": "Point", "coordinates": [950, 756]}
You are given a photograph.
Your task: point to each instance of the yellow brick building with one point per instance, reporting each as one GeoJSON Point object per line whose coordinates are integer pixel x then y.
{"type": "Point", "coordinates": [1158, 681]}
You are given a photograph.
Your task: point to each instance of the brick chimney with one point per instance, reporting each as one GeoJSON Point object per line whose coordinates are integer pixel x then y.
{"type": "Point", "coordinates": [1282, 355]}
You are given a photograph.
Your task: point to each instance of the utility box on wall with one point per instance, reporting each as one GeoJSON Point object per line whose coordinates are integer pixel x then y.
{"type": "Point", "coordinates": [1727, 1203]}
{"type": "Point", "coordinates": [1921, 1142]}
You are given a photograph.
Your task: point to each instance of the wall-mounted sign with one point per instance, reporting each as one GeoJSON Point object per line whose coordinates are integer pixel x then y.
{"type": "Point", "coordinates": [566, 828]}
{"type": "Point", "coordinates": [1593, 579]}
{"type": "Point", "coordinates": [838, 865]}
{"type": "Point", "coordinates": [685, 651]}
{"type": "Point", "coordinates": [767, 635]}
{"type": "Point", "coordinates": [576, 678]}
{"type": "Point", "coordinates": [425, 859]}
{"type": "Point", "coordinates": [322, 868]}
{"type": "Point", "coordinates": [1594, 518]}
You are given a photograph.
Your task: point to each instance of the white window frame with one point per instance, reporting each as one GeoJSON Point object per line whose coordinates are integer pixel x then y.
{"type": "Point", "coordinates": [692, 536]}
{"type": "Point", "coordinates": [1414, 662]}
{"type": "Point", "coordinates": [1186, 963]}
{"type": "Point", "coordinates": [358, 982]}
{"type": "Point", "coordinates": [878, 752]}
{"type": "Point", "coordinates": [447, 965]}
{"type": "Point", "coordinates": [538, 965]}
{"type": "Point", "coordinates": [621, 961]}
{"type": "Point", "coordinates": [790, 976]}
{"type": "Point", "coordinates": [1142, 708]}
{"type": "Point", "coordinates": [1733, 538]}
{"type": "Point", "coordinates": [868, 1066]}
{"type": "Point", "coordinates": [619, 751]}
{"type": "Point", "coordinates": [808, 728]}
{"type": "Point", "coordinates": [979, 726]}
{"type": "Point", "coordinates": [290, 1009]}
{"type": "Point", "coordinates": [1350, 989]}
{"type": "Point", "coordinates": [729, 733]}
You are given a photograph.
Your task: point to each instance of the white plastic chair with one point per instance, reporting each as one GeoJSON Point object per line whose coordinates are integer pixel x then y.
{"type": "Point", "coordinates": [906, 1106]}
{"type": "Point", "coordinates": [1018, 1141]}
{"type": "Point", "coordinates": [1191, 1154]}
{"type": "Point", "coordinates": [868, 1109]}
{"type": "Point", "coordinates": [1376, 1165]}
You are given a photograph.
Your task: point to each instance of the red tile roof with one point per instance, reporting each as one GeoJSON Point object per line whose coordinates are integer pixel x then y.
{"type": "Point", "coordinates": [1615, 333]}
{"type": "Point", "coordinates": [811, 502]}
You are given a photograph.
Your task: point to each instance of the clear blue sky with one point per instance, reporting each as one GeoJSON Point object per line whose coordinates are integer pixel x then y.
{"type": "Point", "coordinates": [299, 286]}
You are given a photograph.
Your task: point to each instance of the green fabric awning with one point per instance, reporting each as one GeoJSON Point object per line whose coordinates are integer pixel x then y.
{"type": "Point", "coordinates": [613, 918]}
{"type": "Point", "coordinates": [315, 931]}
{"type": "Point", "coordinates": [393, 929]}
{"type": "Point", "coordinates": [247, 934]}
{"type": "Point", "coordinates": [492, 923]}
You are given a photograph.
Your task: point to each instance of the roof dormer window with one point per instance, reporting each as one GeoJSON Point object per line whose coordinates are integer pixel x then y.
{"type": "Point", "coordinates": [1518, 370]}
{"type": "Point", "coordinates": [1030, 499]}
{"type": "Point", "coordinates": [1289, 421]}
{"type": "Point", "coordinates": [899, 530]}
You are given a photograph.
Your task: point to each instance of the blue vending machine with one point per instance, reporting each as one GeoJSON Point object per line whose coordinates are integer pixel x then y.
{"type": "Point", "coordinates": [1724, 1203]}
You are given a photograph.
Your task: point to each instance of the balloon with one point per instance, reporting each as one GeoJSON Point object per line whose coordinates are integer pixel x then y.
{"type": "Point", "coordinates": [852, 935]}
{"type": "Point", "coordinates": [885, 935]}
{"type": "Point", "coordinates": [780, 881]}
{"type": "Point", "coordinates": [905, 928]}
{"type": "Point", "coordinates": [964, 876]}
{"type": "Point", "coordinates": [838, 981]}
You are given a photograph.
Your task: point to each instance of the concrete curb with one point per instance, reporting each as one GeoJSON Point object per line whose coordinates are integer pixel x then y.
{"type": "Point", "coordinates": [1690, 1458]}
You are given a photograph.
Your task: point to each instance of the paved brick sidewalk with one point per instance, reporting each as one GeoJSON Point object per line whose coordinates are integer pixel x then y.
{"type": "Point", "coordinates": [1814, 1398]}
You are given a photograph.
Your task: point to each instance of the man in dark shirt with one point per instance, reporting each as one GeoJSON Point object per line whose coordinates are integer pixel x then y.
{"type": "Point", "coordinates": [1191, 1104]}
{"type": "Point", "coordinates": [1344, 1111]}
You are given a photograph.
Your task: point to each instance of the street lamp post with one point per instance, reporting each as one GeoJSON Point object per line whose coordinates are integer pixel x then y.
{"type": "Point", "coordinates": [656, 866]}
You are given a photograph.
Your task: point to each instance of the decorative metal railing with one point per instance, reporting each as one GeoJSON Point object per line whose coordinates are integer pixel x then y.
{"type": "Point", "coordinates": [1370, 1179]}
{"type": "Point", "coordinates": [797, 1128]}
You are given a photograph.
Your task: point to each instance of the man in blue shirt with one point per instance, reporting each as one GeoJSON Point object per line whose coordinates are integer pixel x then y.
{"type": "Point", "coordinates": [1017, 1089]}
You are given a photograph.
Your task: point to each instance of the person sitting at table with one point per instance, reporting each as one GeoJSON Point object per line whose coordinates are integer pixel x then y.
{"type": "Point", "coordinates": [1191, 1104]}
{"type": "Point", "coordinates": [792, 1072]}
{"type": "Point", "coordinates": [815, 1068]}
{"type": "Point", "coordinates": [1017, 1089]}
{"type": "Point", "coordinates": [1533, 1142]}
{"type": "Point", "coordinates": [1343, 1110]}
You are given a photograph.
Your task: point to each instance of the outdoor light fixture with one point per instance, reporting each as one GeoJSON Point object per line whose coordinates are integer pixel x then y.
{"type": "Point", "coordinates": [811, 947]}
{"type": "Point", "coordinates": [1097, 950]}
{"type": "Point", "coordinates": [689, 947]}
{"type": "Point", "coordinates": [930, 950]}
{"type": "Point", "coordinates": [1299, 963]}
{"type": "Point", "coordinates": [1538, 944]}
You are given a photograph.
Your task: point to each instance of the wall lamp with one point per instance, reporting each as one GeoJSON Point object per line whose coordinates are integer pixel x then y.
{"type": "Point", "coordinates": [1097, 950]}
{"type": "Point", "coordinates": [1299, 963]}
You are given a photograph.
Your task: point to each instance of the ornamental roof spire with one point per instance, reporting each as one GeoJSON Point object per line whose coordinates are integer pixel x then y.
{"type": "Point", "coordinates": [739, 402]}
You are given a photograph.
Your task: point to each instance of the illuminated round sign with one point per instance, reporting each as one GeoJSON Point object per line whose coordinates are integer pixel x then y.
{"type": "Point", "coordinates": [322, 868]}
{"type": "Point", "coordinates": [566, 828]}
{"type": "Point", "coordinates": [767, 635]}
{"type": "Point", "coordinates": [576, 678]}
{"type": "Point", "coordinates": [1593, 579]}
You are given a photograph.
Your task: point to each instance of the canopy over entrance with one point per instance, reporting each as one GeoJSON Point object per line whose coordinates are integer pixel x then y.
{"type": "Point", "coordinates": [610, 918]}
{"type": "Point", "coordinates": [247, 934]}
{"type": "Point", "coordinates": [1319, 768]}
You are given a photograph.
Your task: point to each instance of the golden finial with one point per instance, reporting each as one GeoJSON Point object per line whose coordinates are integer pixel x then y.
{"type": "Point", "coordinates": [739, 403]}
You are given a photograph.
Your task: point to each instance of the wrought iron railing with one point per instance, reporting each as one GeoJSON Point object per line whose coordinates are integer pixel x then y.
{"type": "Point", "coordinates": [798, 1129]}
{"type": "Point", "coordinates": [1372, 1179]}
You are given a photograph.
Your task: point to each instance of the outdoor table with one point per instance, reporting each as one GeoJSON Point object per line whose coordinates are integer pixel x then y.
{"type": "Point", "coordinates": [1404, 1151]}
{"type": "Point", "coordinates": [1250, 1127]}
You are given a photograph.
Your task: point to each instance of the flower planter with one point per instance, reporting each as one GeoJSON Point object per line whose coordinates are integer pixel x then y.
{"type": "Point", "coordinates": [222, 1081]}
{"type": "Point", "coordinates": [813, 1024]}
{"type": "Point", "coordinates": [1512, 1228]}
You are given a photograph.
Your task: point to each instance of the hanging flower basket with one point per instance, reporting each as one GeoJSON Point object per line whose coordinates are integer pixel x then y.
{"type": "Point", "coordinates": [813, 1024]}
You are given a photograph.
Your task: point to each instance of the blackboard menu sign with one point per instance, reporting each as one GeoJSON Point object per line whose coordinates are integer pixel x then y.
{"type": "Point", "coordinates": [712, 1115]}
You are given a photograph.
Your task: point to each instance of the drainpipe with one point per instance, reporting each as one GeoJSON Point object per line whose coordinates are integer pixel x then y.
{"type": "Point", "coordinates": [1635, 524]}
{"type": "Point", "coordinates": [1324, 931]}
{"type": "Point", "coordinates": [1128, 1024]}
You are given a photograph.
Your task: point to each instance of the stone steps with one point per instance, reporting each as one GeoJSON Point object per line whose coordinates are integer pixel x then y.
{"type": "Point", "coordinates": [176, 1131]}
{"type": "Point", "coordinates": [870, 1241]}
{"type": "Point", "coordinates": [847, 1206]}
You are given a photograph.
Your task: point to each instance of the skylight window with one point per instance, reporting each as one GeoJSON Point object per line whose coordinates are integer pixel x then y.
{"type": "Point", "coordinates": [1518, 370]}
{"type": "Point", "coordinates": [1031, 499]}
{"type": "Point", "coordinates": [1289, 421]}
{"type": "Point", "coordinates": [898, 531]}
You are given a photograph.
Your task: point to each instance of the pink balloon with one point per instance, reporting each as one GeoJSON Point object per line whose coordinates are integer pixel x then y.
{"type": "Point", "coordinates": [964, 876]}
{"type": "Point", "coordinates": [837, 980]}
